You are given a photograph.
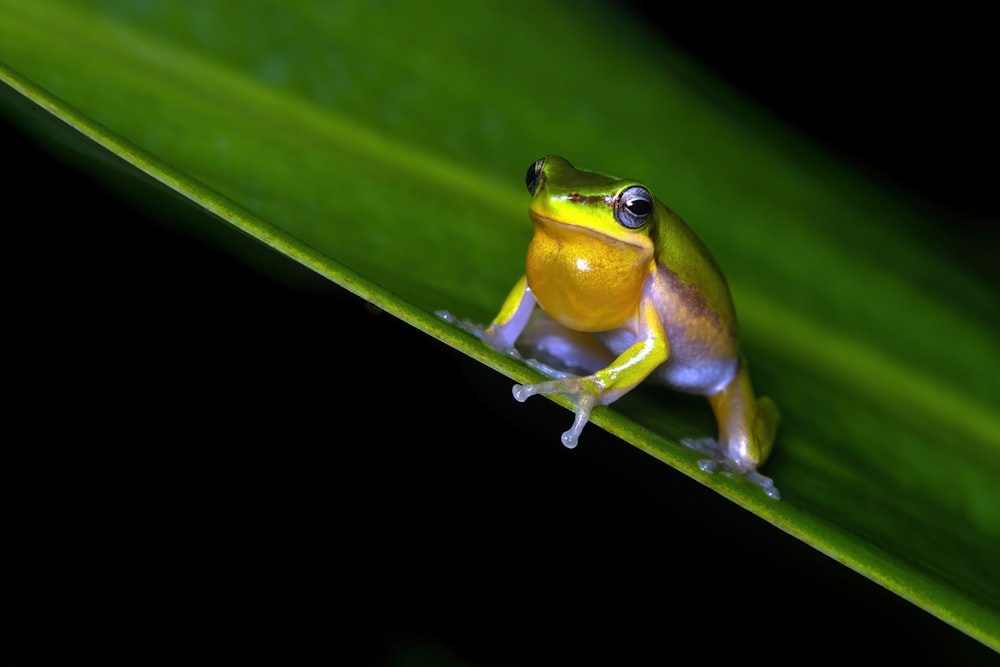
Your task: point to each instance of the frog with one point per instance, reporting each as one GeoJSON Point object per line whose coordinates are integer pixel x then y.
{"type": "Point", "coordinates": [617, 291]}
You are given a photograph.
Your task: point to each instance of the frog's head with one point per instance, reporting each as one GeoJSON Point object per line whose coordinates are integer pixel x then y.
{"type": "Point", "coordinates": [590, 255]}
{"type": "Point", "coordinates": [575, 200]}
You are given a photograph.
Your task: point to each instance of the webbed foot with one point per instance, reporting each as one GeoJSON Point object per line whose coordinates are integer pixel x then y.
{"type": "Point", "coordinates": [718, 461]}
{"type": "Point", "coordinates": [575, 389]}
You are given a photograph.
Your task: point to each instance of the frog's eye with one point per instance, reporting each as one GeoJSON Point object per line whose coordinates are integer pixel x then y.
{"type": "Point", "coordinates": [534, 175]}
{"type": "Point", "coordinates": [633, 207]}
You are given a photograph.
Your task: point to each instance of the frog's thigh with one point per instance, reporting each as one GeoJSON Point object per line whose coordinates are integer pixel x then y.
{"type": "Point", "coordinates": [550, 342]}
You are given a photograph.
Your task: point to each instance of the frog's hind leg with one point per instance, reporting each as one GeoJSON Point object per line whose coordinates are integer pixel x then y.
{"type": "Point", "coordinates": [747, 428]}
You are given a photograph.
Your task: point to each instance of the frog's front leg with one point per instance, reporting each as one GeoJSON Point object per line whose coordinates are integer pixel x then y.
{"type": "Point", "coordinates": [563, 352]}
{"type": "Point", "coordinates": [611, 383]}
{"type": "Point", "coordinates": [505, 328]}
{"type": "Point", "coordinates": [747, 427]}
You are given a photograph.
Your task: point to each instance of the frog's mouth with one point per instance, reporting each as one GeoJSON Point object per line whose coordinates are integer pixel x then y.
{"type": "Point", "coordinates": [565, 231]}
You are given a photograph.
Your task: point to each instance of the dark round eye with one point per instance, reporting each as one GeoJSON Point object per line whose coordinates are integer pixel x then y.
{"type": "Point", "coordinates": [534, 175]}
{"type": "Point", "coordinates": [633, 207]}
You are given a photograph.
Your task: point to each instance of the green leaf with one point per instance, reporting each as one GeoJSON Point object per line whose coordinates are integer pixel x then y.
{"type": "Point", "coordinates": [390, 161]}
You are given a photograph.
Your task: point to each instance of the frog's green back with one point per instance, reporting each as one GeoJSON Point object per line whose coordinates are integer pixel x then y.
{"type": "Point", "coordinates": [678, 249]}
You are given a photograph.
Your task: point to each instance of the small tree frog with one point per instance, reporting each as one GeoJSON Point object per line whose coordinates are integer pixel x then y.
{"type": "Point", "coordinates": [626, 291]}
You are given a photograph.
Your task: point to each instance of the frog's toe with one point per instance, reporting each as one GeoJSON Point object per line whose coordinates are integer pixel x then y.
{"type": "Point", "coordinates": [707, 446]}
{"type": "Point", "coordinates": [523, 392]}
{"type": "Point", "coordinates": [765, 483]}
{"type": "Point", "coordinates": [584, 402]}
{"type": "Point", "coordinates": [709, 465]}
{"type": "Point", "coordinates": [569, 386]}
{"type": "Point", "coordinates": [465, 325]}
{"type": "Point", "coordinates": [480, 332]}
{"type": "Point", "coordinates": [717, 461]}
{"type": "Point", "coordinates": [448, 317]}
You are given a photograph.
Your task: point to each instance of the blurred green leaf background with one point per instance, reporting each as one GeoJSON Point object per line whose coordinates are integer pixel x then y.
{"type": "Point", "coordinates": [383, 145]}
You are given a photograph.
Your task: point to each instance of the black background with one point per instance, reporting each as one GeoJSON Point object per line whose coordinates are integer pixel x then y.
{"type": "Point", "coordinates": [177, 480]}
